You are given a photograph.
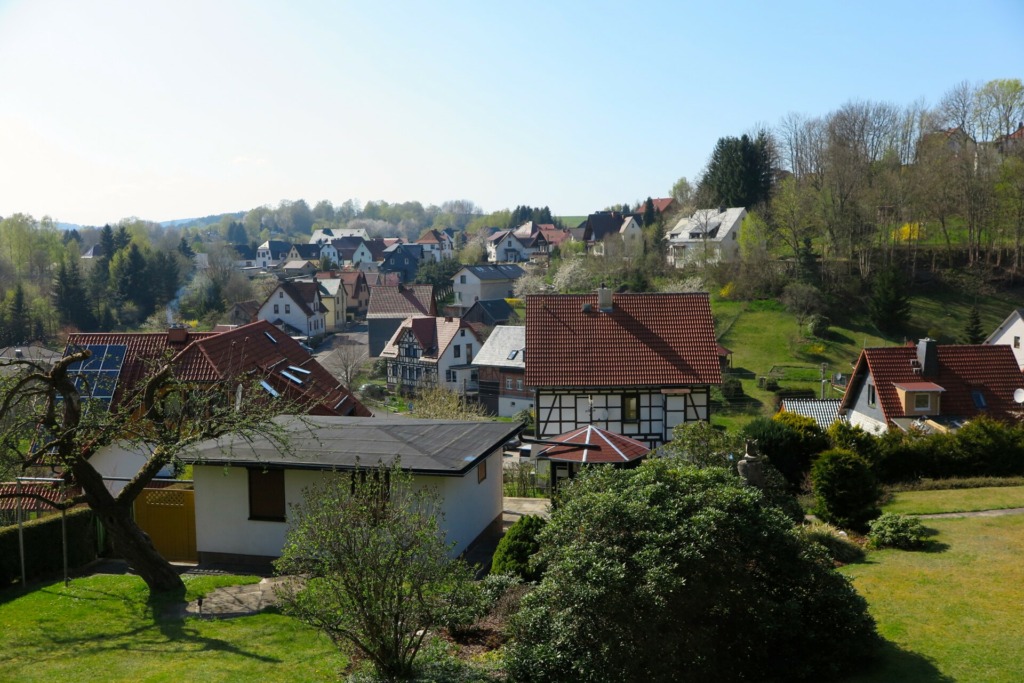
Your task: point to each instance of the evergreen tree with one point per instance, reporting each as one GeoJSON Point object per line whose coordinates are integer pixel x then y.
{"type": "Point", "coordinates": [889, 306]}
{"type": "Point", "coordinates": [106, 244]}
{"type": "Point", "coordinates": [19, 322]}
{"type": "Point", "coordinates": [649, 215]}
{"type": "Point", "coordinates": [122, 238]}
{"type": "Point", "coordinates": [739, 173]}
{"type": "Point", "coordinates": [184, 249]}
{"type": "Point", "coordinates": [973, 332]}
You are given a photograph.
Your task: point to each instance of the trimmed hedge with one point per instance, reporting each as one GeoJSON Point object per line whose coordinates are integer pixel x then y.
{"type": "Point", "coordinates": [982, 448]}
{"type": "Point", "coordinates": [44, 553]}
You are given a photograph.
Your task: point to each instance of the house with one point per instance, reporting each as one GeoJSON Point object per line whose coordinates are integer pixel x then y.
{"type": "Point", "coordinates": [328, 234]}
{"type": "Point", "coordinates": [295, 305]}
{"type": "Point", "coordinates": [304, 252]}
{"type": "Point", "coordinates": [348, 251]}
{"type": "Point", "coordinates": [490, 312]}
{"type": "Point", "coordinates": [430, 351]}
{"type": "Point", "coordinates": [243, 312]}
{"type": "Point", "coordinates": [437, 245]}
{"type": "Point", "coordinates": [390, 305]}
{"type": "Point", "coordinates": [634, 364]}
{"type": "Point", "coordinates": [404, 259]}
{"type": "Point", "coordinates": [357, 293]}
{"type": "Point", "coordinates": [257, 356]}
{"type": "Point", "coordinates": [332, 296]}
{"type": "Point", "coordinates": [663, 205]}
{"type": "Point", "coordinates": [244, 256]}
{"type": "Point", "coordinates": [505, 247]}
{"type": "Point", "coordinates": [555, 236]}
{"type": "Point", "coordinates": [823, 411]}
{"type": "Point", "coordinates": [299, 268]}
{"type": "Point", "coordinates": [584, 447]}
{"type": "Point", "coordinates": [272, 253]}
{"type": "Point", "coordinates": [486, 281]}
{"type": "Point", "coordinates": [501, 372]}
{"type": "Point", "coordinates": [708, 236]}
{"type": "Point", "coordinates": [1010, 332]}
{"type": "Point", "coordinates": [1011, 141]}
{"type": "Point", "coordinates": [931, 386]}
{"type": "Point", "coordinates": [244, 492]}
{"type": "Point", "coordinates": [601, 225]}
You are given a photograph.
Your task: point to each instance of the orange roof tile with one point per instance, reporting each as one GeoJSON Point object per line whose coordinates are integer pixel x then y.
{"type": "Point", "coordinates": [607, 447]}
{"type": "Point", "coordinates": [645, 340]}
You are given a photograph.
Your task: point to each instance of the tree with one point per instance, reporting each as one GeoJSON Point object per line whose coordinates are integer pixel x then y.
{"type": "Point", "coordinates": [682, 192]}
{"type": "Point", "coordinates": [376, 566]}
{"type": "Point", "coordinates": [846, 492]}
{"type": "Point", "coordinates": [739, 172]}
{"type": "Point", "coordinates": [17, 321]}
{"type": "Point", "coordinates": [438, 403]}
{"type": "Point", "coordinates": [47, 422]}
{"type": "Point", "coordinates": [349, 357]}
{"type": "Point", "coordinates": [517, 548]}
{"type": "Point", "coordinates": [700, 444]}
{"type": "Point", "coordinates": [973, 332]}
{"type": "Point", "coordinates": [802, 300]}
{"type": "Point", "coordinates": [889, 305]}
{"type": "Point", "coordinates": [668, 572]}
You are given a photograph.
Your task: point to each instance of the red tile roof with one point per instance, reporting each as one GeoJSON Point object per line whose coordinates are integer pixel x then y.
{"type": "Point", "coordinates": [662, 203]}
{"type": "Point", "coordinates": [645, 340]}
{"type": "Point", "coordinates": [433, 335]}
{"type": "Point", "coordinates": [609, 447]}
{"type": "Point", "coordinates": [401, 301]}
{"type": "Point", "coordinates": [257, 350]}
{"type": "Point", "coordinates": [51, 492]}
{"type": "Point", "coordinates": [962, 369]}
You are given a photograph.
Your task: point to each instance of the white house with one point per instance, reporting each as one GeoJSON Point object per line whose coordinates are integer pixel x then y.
{"type": "Point", "coordinates": [330, 234]}
{"type": "Point", "coordinates": [427, 351]}
{"type": "Point", "coordinates": [708, 236]}
{"type": "Point", "coordinates": [244, 491]}
{"type": "Point", "coordinates": [437, 245]}
{"type": "Point", "coordinates": [297, 305]}
{"type": "Point", "coordinates": [272, 253]}
{"type": "Point", "coordinates": [485, 282]}
{"type": "Point", "coordinates": [1010, 332]}
{"type": "Point", "coordinates": [334, 299]}
{"type": "Point", "coordinates": [505, 247]}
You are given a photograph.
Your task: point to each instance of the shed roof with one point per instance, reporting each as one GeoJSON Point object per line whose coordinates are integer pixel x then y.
{"type": "Point", "coordinates": [498, 350]}
{"type": "Point", "coordinates": [606, 447]}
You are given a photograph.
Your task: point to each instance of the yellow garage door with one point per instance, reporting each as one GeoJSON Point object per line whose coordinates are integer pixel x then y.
{"type": "Point", "coordinates": [169, 517]}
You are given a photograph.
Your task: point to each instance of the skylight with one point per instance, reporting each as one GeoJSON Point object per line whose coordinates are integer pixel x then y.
{"type": "Point", "coordinates": [269, 389]}
{"type": "Point", "coordinates": [512, 354]}
{"type": "Point", "coordinates": [270, 337]}
{"type": "Point", "coordinates": [290, 376]}
{"type": "Point", "coordinates": [302, 370]}
{"type": "Point", "coordinates": [979, 399]}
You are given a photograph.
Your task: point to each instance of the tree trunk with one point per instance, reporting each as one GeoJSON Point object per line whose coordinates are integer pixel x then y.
{"type": "Point", "coordinates": [136, 547]}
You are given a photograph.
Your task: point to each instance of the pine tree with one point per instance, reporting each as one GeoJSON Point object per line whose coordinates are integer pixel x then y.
{"type": "Point", "coordinates": [19, 322]}
{"type": "Point", "coordinates": [649, 214]}
{"type": "Point", "coordinates": [973, 332]}
{"type": "Point", "coordinates": [889, 306]}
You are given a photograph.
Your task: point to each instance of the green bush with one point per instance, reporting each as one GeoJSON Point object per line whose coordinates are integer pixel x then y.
{"type": "Point", "coordinates": [846, 492]}
{"type": "Point", "coordinates": [852, 438]}
{"type": "Point", "coordinates": [817, 325]}
{"type": "Point", "coordinates": [836, 542]}
{"type": "Point", "coordinates": [896, 531]}
{"type": "Point", "coordinates": [517, 547]}
{"type": "Point", "coordinates": [788, 443]}
{"type": "Point", "coordinates": [670, 572]}
{"type": "Point", "coordinates": [44, 550]}
{"type": "Point", "coordinates": [731, 387]}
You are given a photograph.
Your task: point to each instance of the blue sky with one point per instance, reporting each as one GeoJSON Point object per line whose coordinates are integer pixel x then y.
{"type": "Point", "coordinates": [175, 109]}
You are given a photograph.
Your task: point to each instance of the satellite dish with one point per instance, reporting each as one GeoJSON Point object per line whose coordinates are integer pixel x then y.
{"type": "Point", "coordinates": [1018, 395]}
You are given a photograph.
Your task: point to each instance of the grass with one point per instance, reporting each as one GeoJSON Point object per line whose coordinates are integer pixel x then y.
{"type": "Point", "coordinates": [102, 628]}
{"type": "Point", "coordinates": [956, 500]}
{"type": "Point", "coordinates": [953, 613]}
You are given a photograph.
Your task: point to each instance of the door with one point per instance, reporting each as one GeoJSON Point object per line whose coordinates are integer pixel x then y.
{"type": "Point", "coordinates": [169, 517]}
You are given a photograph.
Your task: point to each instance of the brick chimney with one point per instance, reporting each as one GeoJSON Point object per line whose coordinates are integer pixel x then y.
{"type": "Point", "coordinates": [177, 334]}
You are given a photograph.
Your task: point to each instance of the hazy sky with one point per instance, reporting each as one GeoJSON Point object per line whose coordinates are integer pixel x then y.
{"type": "Point", "coordinates": [177, 109]}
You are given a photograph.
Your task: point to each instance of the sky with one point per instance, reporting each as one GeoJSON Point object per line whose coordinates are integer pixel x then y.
{"type": "Point", "coordinates": [178, 109]}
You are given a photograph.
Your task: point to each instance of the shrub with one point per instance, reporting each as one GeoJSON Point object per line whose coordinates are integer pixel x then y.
{"type": "Point", "coordinates": [517, 547]}
{"type": "Point", "coordinates": [896, 531]}
{"type": "Point", "coordinates": [732, 387]}
{"type": "Point", "coordinates": [852, 438]}
{"type": "Point", "coordinates": [44, 549]}
{"type": "Point", "coordinates": [817, 325]}
{"type": "Point", "coordinates": [671, 572]}
{"type": "Point", "coordinates": [845, 491]}
{"type": "Point", "coordinates": [789, 448]}
{"type": "Point", "coordinates": [836, 542]}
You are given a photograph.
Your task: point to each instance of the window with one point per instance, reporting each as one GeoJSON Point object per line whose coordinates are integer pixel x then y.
{"type": "Point", "coordinates": [512, 354]}
{"type": "Point", "coordinates": [630, 408]}
{"type": "Point", "coordinates": [481, 471]}
{"type": "Point", "coordinates": [469, 353]}
{"type": "Point", "coordinates": [449, 375]}
{"type": "Point", "coordinates": [462, 279]}
{"type": "Point", "coordinates": [508, 382]}
{"type": "Point", "coordinates": [275, 309]}
{"type": "Point", "coordinates": [1016, 342]}
{"type": "Point", "coordinates": [458, 351]}
{"type": "Point", "coordinates": [979, 399]}
{"type": "Point", "coordinates": [922, 401]}
{"type": "Point", "coordinates": [280, 295]}
{"type": "Point", "coordinates": [872, 399]}
{"type": "Point", "coordinates": [266, 495]}
{"type": "Point", "coordinates": [287, 308]}
{"type": "Point", "coordinates": [519, 384]}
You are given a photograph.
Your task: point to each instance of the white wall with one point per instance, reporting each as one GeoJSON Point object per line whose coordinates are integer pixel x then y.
{"type": "Point", "coordinates": [1007, 336]}
{"type": "Point", "coordinates": [118, 460]}
{"type": "Point", "coordinates": [222, 507]}
{"type": "Point", "coordinates": [510, 405]}
{"type": "Point", "coordinates": [869, 425]}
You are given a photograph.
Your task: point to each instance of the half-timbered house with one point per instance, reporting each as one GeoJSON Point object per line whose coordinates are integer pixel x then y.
{"type": "Point", "coordinates": [634, 364]}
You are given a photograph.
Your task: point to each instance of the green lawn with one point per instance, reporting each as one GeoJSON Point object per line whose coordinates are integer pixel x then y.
{"type": "Point", "coordinates": [954, 613]}
{"type": "Point", "coordinates": [956, 500]}
{"type": "Point", "coordinates": [102, 629]}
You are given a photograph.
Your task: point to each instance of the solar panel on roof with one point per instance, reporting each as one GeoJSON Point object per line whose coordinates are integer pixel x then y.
{"type": "Point", "coordinates": [96, 377]}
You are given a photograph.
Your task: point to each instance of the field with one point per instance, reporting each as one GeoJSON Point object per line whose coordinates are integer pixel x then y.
{"type": "Point", "coordinates": [952, 613]}
{"type": "Point", "coordinates": [101, 628]}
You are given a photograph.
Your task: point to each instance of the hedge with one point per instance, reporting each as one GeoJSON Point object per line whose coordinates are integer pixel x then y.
{"type": "Point", "coordinates": [44, 550]}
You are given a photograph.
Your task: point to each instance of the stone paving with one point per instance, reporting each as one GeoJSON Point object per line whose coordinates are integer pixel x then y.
{"type": "Point", "coordinates": [237, 601]}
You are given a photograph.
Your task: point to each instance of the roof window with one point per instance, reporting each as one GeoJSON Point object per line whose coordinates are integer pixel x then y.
{"type": "Point", "coordinates": [269, 389]}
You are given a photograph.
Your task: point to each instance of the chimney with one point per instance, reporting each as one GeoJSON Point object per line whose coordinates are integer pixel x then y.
{"type": "Point", "coordinates": [178, 334]}
{"type": "Point", "coordinates": [928, 357]}
{"type": "Point", "coordinates": [604, 299]}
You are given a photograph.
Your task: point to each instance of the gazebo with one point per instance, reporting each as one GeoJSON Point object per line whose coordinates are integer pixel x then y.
{"type": "Point", "coordinates": [589, 445]}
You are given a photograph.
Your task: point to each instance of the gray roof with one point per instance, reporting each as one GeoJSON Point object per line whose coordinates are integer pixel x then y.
{"type": "Point", "coordinates": [499, 346]}
{"type": "Point", "coordinates": [822, 411]}
{"type": "Point", "coordinates": [438, 447]}
{"type": "Point", "coordinates": [495, 272]}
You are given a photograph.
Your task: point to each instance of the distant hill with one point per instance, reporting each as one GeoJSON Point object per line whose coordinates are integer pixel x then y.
{"type": "Point", "coordinates": [201, 222]}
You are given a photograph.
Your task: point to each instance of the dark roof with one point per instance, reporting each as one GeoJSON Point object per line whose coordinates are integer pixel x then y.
{"type": "Point", "coordinates": [961, 370]}
{"type": "Point", "coordinates": [401, 301]}
{"type": "Point", "coordinates": [277, 247]}
{"type": "Point", "coordinates": [644, 340]}
{"type": "Point", "coordinates": [439, 447]}
{"type": "Point", "coordinates": [495, 272]}
{"type": "Point", "coordinates": [603, 223]}
{"type": "Point", "coordinates": [250, 307]}
{"type": "Point", "coordinates": [493, 311]}
{"type": "Point", "coordinates": [376, 245]}
{"type": "Point", "coordinates": [244, 251]}
{"type": "Point", "coordinates": [307, 251]}
{"type": "Point", "coordinates": [608, 447]}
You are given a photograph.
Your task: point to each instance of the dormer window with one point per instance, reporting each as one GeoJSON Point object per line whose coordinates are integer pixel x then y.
{"type": "Point", "coordinates": [922, 401]}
